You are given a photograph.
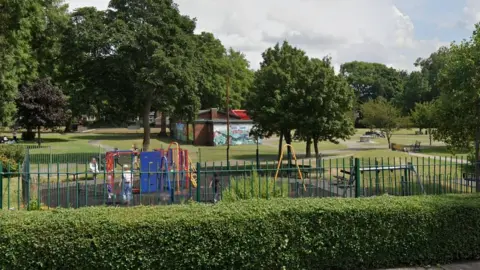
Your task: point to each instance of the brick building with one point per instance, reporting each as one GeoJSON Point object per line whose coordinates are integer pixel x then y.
{"type": "Point", "coordinates": [210, 128]}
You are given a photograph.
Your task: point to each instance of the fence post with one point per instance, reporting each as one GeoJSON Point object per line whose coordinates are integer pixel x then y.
{"type": "Point", "coordinates": [357, 178]}
{"type": "Point", "coordinates": [199, 167]}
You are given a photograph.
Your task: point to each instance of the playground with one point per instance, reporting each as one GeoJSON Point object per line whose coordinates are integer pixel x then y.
{"type": "Point", "coordinates": [173, 173]}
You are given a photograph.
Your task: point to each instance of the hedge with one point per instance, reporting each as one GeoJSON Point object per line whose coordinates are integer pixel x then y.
{"type": "Point", "coordinates": [258, 234]}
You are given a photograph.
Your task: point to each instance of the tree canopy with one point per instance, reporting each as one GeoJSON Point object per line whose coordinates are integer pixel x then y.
{"type": "Point", "coordinates": [383, 115]}
{"type": "Point", "coordinates": [302, 94]}
{"type": "Point", "coordinates": [142, 56]}
{"type": "Point", "coordinates": [41, 104]}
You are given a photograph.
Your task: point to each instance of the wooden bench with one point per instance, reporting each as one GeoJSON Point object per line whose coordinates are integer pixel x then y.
{"type": "Point", "coordinates": [415, 147]}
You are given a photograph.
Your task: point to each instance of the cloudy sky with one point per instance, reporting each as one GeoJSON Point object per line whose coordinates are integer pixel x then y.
{"type": "Point", "coordinates": [393, 32]}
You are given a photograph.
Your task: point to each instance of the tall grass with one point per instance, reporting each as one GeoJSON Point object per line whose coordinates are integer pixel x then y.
{"type": "Point", "coordinates": [253, 187]}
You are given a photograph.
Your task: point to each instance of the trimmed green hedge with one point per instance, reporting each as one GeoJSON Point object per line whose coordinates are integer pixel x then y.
{"type": "Point", "coordinates": [258, 234]}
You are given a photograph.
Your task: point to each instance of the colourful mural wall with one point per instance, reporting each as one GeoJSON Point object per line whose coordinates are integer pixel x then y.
{"type": "Point", "coordinates": [239, 134]}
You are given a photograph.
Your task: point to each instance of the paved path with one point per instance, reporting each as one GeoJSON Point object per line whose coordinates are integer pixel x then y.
{"type": "Point", "coordinates": [97, 143]}
{"type": "Point", "coordinates": [456, 160]}
{"type": "Point", "coordinates": [459, 266]}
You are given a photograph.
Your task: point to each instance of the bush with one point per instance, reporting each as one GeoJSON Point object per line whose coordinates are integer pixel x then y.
{"type": "Point", "coordinates": [11, 156]}
{"type": "Point", "coordinates": [332, 233]}
{"type": "Point", "coordinates": [252, 187]}
{"type": "Point", "coordinates": [9, 165]}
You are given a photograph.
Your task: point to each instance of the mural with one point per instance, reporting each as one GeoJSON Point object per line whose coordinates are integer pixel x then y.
{"type": "Point", "coordinates": [239, 134]}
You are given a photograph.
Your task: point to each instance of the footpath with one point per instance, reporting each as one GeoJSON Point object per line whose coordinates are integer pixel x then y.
{"type": "Point", "coordinates": [457, 266]}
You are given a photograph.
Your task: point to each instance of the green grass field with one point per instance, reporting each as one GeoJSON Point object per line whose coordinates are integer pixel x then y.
{"type": "Point", "coordinates": [124, 138]}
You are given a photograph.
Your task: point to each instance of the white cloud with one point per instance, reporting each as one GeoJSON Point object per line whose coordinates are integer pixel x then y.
{"type": "Point", "coordinates": [366, 30]}
{"type": "Point", "coordinates": [472, 13]}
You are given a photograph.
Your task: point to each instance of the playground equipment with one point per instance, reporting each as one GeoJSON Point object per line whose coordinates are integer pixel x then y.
{"type": "Point", "coordinates": [296, 164]}
{"type": "Point", "coordinates": [161, 166]}
{"type": "Point", "coordinates": [157, 170]}
{"type": "Point", "coordinates": [377, 169]}
{"type": "Point", "coordinates": [112, 159]}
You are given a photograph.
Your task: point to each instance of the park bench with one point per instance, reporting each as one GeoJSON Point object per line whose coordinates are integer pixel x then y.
{"type": "Point", "coordinates": [415, 147]}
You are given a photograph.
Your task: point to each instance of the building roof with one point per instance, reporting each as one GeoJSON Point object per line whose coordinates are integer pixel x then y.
{"type": "Point", "coordinates": [242, 114]}
{"type": "Point", "coordinates": [232, 114]}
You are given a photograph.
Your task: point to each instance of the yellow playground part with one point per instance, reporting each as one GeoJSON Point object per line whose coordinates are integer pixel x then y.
{"type": "Point", "coordinates": [191, 170]}
{"type": "Point", "coordinates": [296, 164]}
{"type": "Point", "coordinates": [192, 173]}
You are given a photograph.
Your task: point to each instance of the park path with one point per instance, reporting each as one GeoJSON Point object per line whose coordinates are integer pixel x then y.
{"type": "Point", "coordinates": [443, 158]}
{"type": "Point", "coordinates": [104, 147]}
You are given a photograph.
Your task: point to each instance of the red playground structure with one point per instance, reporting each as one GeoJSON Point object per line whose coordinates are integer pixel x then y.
{"type": "Point", "coordinates": [112, 159]}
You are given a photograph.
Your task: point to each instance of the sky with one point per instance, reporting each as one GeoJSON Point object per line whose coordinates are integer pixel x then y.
{"type": "Point", "coordinates": [392, 32]}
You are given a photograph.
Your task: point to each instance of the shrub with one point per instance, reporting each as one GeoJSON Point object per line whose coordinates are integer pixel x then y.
{"type": "Point", "coordinates": [332, 233]}
{"type": "Point", "coordinates": [252, 187]}
{"type": "Point", "coordinates": [11, 156]}
{"type": "Point", "coordinates": [9, 164]}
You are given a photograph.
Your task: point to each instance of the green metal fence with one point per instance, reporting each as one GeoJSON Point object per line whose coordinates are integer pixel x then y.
{"type": "Point", "coordinates": [75, 186]}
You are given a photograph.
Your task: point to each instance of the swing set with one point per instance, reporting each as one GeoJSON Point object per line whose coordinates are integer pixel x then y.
{"type": "Point", "coordinates": [280, 160]}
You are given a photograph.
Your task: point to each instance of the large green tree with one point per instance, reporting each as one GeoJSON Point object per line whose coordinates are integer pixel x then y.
{"type": "Point", "coordinates": [459, 102]}
{"type": "Point", "coordinates": [155, 45]}
{"type": "Point", "coordinates": [382, 114]}
{"type": "Point", "coordinates": [277, 89]}
{"type": "Point", "coordinates": [325, 107]}
{"type": "Point", "coordinates": [431, 68]}
{"type": "Point", "coordinates": [424, 116]}
{"type": "Point", "coordinates": [372, 80]}
{"type": "Point", "coordinates": [416, 89]}
{"type": "Point", "coordinates": [29, 38]}
{"type": "Point", "coordinates": [89, 74]}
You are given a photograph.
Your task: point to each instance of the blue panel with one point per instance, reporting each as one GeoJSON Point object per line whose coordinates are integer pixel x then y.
{"type": "Point", "coordinates": [149, 164]}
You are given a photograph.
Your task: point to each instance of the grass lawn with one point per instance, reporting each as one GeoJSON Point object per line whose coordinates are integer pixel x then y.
{"type": "Point", "coordinates": [63, 143]}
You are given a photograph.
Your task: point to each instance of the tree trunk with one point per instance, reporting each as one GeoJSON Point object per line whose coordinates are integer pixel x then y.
{"type": "Point", "coordinates": [430, 136]}
{"type": "Point", "coordinates": [280, 145]}
{"type": "Point", "coordinates": [163, 125]}
{"type": "Point", "coordinates": [173, 129]}
{"type": "Point", "coordinates": [315, 145]}
{"type": "Point", "coordinates": [39, 140]}
{"type": "Point", "coordinates": [308, 147]}
{"type": "Point", "coordinates": [68, 125]}
{"type": "Point", "coordinates": [146, 124]}
{"type": "Point", "coordinates": [389, 136]}
{"type": "Point", "coordinates": [288, 140]}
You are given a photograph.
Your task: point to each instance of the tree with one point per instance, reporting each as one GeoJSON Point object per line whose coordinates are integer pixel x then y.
{"type": "Point", "coordinates": [41, 104]}
{"type": "Point", "coordinates": [88, 73]}
{"type": "Point", "coordinates": [155, 45]}
{"type": "Point", "coordinates": [372, 80]}
{"type": "Point", "coordinates": [424, 117]}
{"type": "Point", "coordinates": [416, 90]}
{"type": "Point", "coordinates": [326, 107]}
{"type": "Point", "coordinates": [459, 102]}
{"type": "Point", "coordinates": [277, 89]}
{"type": "Point", "coordinates": [431, 68]}
{"type": "Point", "coordinates": [29, 35]}
{"type": "Point", "coordinates": [381, 114]}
